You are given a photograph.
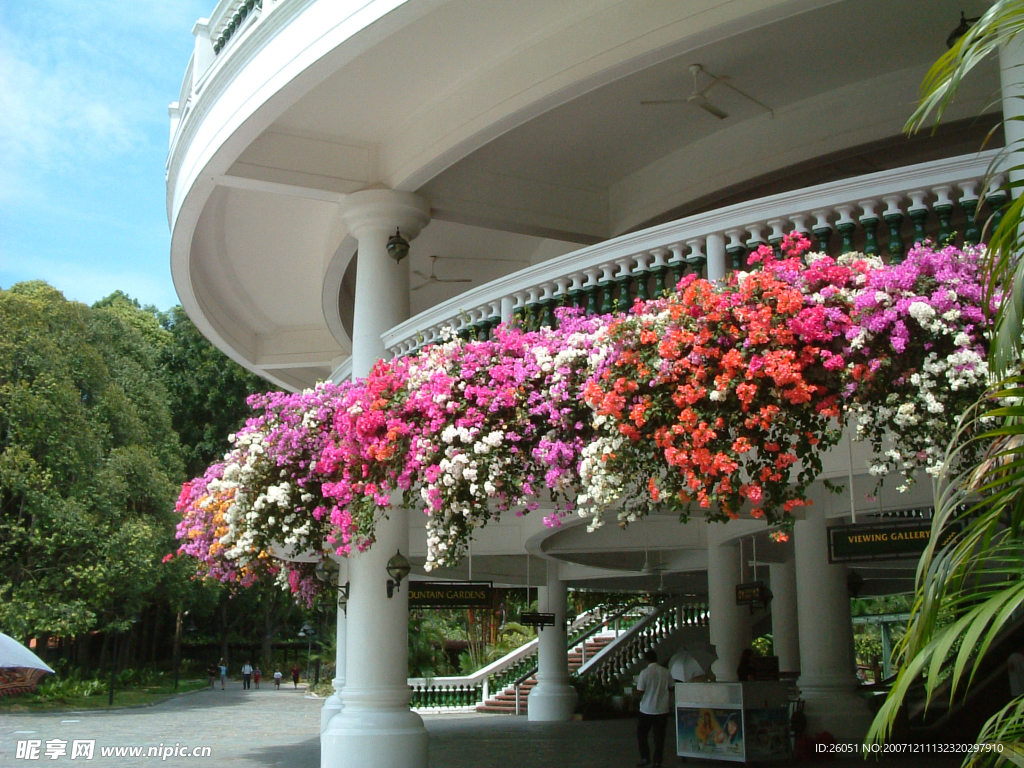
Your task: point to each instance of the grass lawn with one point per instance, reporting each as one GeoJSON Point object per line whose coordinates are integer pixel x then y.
{"type": "Point", "coordinates": [123, 697]}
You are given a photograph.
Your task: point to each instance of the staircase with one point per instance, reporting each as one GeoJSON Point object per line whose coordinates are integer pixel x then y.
{"type": "Point", "coordinates": [505, 702]}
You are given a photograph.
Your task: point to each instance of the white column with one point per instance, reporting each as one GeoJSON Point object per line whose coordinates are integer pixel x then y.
{"type": "Point", "coordinates": [785, 630]}
{"type": "Point", "coordinates": [1011, 75]}
{"type": "Point", "coordinates": [375, 727]}
{"type": "Point", "coordinates": [332, 705]}
{"type": "Point", "coordinates": [730, 623]}
{"type": "Point", "coordinates": [828, 680]}
{"type": "Point", "coordinates": [716, 257]}
{"type": "Point", "coordinates": [382, 284]}
{"type": "Point", "coordinates": [553, 699]}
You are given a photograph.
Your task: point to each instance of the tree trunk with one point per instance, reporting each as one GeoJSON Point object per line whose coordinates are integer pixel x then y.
{"type": "Point", "coordinates": [224, 629]}
{"type": "Point", "coordinates": [176, 651]}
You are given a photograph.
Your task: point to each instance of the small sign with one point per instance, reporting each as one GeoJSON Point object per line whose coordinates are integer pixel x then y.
{"type": "Point", "coordinates": [451, 594]}
{"type": "Point", "coordinates": [754, 593]}
{"type": "Point", "coordinates": [537, 619]}
{"type": "Point", "coordinates": [883, 541]}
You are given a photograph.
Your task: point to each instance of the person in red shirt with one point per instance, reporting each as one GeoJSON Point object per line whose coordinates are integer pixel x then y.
{"type": "Point", "coordinates": [295, 675]}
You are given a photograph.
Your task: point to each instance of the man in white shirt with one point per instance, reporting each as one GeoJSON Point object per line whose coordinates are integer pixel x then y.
{"type": "Point", "coordinates": [246, 675]}
{"type": "Point", "coordinates": [656, 685]}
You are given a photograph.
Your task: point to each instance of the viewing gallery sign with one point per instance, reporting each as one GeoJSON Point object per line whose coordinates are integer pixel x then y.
{"type": "Point", "coordinates": [876, 541]}
{"type": "Point", "coordinates": [449, 594]}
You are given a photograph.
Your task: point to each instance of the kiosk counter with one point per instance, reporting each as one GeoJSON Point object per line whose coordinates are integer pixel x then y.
{"type": "Point", "coordinates": [737, 722]}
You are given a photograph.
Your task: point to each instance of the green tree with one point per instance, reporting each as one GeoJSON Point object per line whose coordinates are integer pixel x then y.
{"type": "Point", "coordinates": [208, 392]}
{"type": "Point", "coordinates": [88, 464]}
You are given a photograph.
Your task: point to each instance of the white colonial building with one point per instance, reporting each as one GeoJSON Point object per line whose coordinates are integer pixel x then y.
{"type": "Point", "coordinates": [537, 150]}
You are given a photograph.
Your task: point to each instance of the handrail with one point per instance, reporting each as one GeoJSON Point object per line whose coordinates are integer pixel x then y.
{"type": "Point", "coordinates": [627, 649]}
{"type": "Point", "coordinates": [467, 690]}
{"type": "Point", "coordinates": [904, 192]}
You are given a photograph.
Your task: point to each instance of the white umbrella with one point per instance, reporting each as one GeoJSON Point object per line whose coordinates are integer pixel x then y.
{"type": "Point", "coordinates": [14, 654]}
{"type": "Point", "coordinates": [692, 660]}
{"type": "Point", "coordinates": [684, 667]}
{"type": "Point", "coordinates": [20, 669]}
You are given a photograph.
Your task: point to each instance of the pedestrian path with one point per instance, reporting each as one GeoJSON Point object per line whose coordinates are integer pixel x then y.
{"type": "Point", "coordinates": [255, 729]}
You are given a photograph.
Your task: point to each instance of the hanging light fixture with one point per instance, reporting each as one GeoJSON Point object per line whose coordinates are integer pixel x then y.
{"type": "Point", "coordinates": [398, 569]}
{"type": "Point", "coordinates": [961, 29]}
{"type": "Point", "coordinates": [398, 246]}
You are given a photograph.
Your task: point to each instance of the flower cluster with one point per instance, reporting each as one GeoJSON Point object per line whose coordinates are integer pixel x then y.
{"type": "Point", "coordinates": [722, 395]}
{"type": "Point", "coordinates": [719, 396]}
{"type": "Point", "coordinates": [917, 356]}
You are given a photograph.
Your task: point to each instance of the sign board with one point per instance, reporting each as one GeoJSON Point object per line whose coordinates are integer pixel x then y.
{"type": "Point", "coordinates": [451, 594]}
{"type": "Point", "coordinates": [537, 619]}
{"type": "Point", "coordinates": [764, 668]}
{"type": "Point", "coordinates": [883, 541]}
{"type": "Point", "coordinates": [753, 593]}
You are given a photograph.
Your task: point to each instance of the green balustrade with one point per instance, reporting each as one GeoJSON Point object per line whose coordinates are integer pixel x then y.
{"type": "Point", "coordinates": [622, 302]}
{"type": "Point", "coordinates": [896, 248]}
{"type": "Point", "coordinates": [659, 280]}
{"type": "Point", "coordinates": [736, 255]}
{"type": "Point", "coordinates": [945, 214]}
{"type": "Point", "coordinates": [846, 230]}
{"type": "Point", "coordinates": [641, 285]}
{"type": "Point", "coordinates": [607, 304]}
{"type": "Point", "coordinates": [824, 235]}
{"type": "Point", "coordinates": [919, 216]}
{"type": "Point", "coordinates": [972, 232]}
{"type": "Point", "coordinates": [870, 226]}
{"type": "Point", "coordinates": [997, 201]}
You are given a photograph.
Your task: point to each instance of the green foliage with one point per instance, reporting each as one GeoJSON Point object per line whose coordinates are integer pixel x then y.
{"type": "Point", "coordinates": [763, 646]}
{"type": "Point", "coordinates": [207, 391]}
{"type": "Point", "coordinates": [89, 464]}
{"type": "Point", "coordinates": [426, 648]}
{"type": "Point", "coordinates": [970, 591]}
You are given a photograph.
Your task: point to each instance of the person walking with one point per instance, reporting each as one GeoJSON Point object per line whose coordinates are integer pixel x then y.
{"type": "Point", "coordinates": [656, 685]}
{"type": "Point", "coordinates": [211, 674]}
{"type": "Point", "coordinates": [257, 675]}
{"type": "Point", "coordinates": [246, 676]}
{"type": "Point", "coordinates": [295, 675]}
{"type": "Point", "coordinates": [277, 679]}
{"type": "Point", "coordinates": [223, 665]}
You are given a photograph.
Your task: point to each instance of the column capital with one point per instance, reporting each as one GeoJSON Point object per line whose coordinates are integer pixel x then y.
{"type": "Point", "coordinates": [384, 210]}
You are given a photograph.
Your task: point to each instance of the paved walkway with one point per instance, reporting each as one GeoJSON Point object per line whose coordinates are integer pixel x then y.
{"type": "Point", "coordinates": [253, 729]}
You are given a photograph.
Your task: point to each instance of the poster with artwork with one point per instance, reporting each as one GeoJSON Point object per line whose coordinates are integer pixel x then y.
{"type": "Point", "coordinates": [710, 733]}
{"type": "Point", "coordinates": [767, 733]}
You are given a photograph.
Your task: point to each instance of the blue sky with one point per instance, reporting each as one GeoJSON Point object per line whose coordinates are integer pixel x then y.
{"type": "Point", "coordinates": [84, 90]}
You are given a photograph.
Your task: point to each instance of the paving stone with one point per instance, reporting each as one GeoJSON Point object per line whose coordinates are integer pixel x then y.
{"type": "Point", "coordinates": [253, 729]}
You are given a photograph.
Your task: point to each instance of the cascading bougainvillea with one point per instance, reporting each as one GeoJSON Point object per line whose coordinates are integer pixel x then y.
{"type": "Point", "coordinates": [723, 395]}
{"type": "Point", "coordinates": [719, 396]}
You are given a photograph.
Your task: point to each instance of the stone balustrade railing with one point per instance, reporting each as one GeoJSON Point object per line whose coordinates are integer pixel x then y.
{"type": "Point", "coordinates": [882, 213]}
{"type": "Point", "coordinates": [228, 18]}
{"type": "Point", "coordinates": [466, 691]}
{"type": "Point", "coordinates": [620, 658]}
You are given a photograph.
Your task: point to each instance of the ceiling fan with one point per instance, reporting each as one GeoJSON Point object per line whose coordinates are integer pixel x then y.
{"type": "Point", "coordinates": [432, 278]}
{"type": "Point", "coordinates": [699, 96]}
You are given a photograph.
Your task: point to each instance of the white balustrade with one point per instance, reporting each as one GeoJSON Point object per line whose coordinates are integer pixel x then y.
{"type": "Point", "coordinates": [698, 240]}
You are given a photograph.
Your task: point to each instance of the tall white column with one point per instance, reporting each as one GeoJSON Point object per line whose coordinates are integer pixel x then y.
{"type": "Point", "coordinates": [553, 699]}
{"type": "Point", "coordinates": [730, 623]}
{"type": "Point", "coordinates": [375, 727]}
{"type": "Point", "coordinates": [828, 680]}
{"type": "Point", "coordinates": [382, 284]}
{"type": "Point", "coordinates": [332, 705]}
{"type": "Point", "coordinates": [1011, 76]}
{"type": "Point", "coordinates": [785, 629]}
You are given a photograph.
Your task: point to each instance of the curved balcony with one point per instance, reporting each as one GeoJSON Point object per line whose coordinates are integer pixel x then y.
{"type": "Point", "coordinates": [880, 213]}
